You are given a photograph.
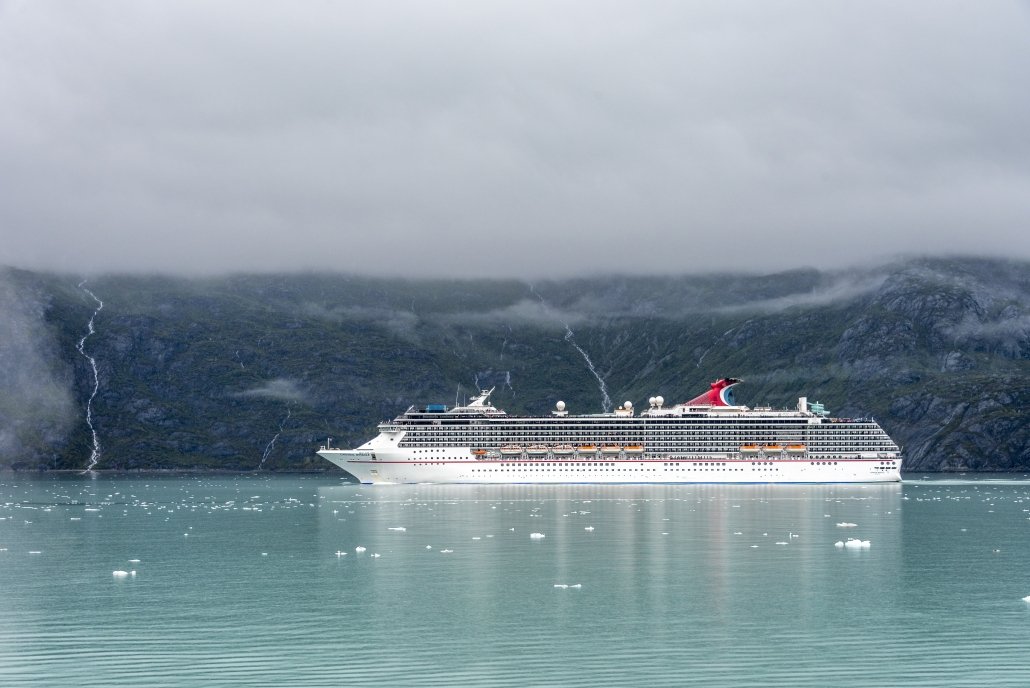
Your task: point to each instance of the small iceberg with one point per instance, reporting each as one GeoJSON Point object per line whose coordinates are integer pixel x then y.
{"type": "Point", "coordinates": [563, 586]}
{"type": "Point", "coordinates": [399, 529]}
{"type": "Point", "coordinates": [124, 574]}
{"type": "Point", "coordinates": [446, 551]}
{"type": "Point", "coordinates": [376, 555]}
{"type": "Point", "coordinates": [359, 549]}
{"type": "Point", "coordinates": [340, 553]}
{"type": "Point", "coordinates": [537, 536]}
{"type": "Point", "coordinates": [1027, 599]}
{"type": "Point", "coordinates": [839, 544]}
{"type": "Point", "coordinates": [429, 547]}
{"type": "Point", "coordinates": [857, 544]}
{"type": "Point", "coordinates": [589, 529]}
{"type": "Point", "coordinates": [845, 524]}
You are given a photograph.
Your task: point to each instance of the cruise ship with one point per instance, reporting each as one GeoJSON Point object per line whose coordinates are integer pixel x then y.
{"type": "Point", "coordinates": [709, 439]}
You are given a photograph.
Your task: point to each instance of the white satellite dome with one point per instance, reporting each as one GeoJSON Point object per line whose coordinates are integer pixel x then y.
{"type": "Point", "coordinates": [659, 400]}
{"type": "Point", "coordinates": [628, 405]}
{"type": "Point", "coordinates": [652, 401]}
{"type": "Point", "coordinates": [560, 406]}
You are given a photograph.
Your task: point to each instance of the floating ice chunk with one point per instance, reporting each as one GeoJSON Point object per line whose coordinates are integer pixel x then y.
{"type": "Point", "coordinates": [446, 551]}
{"type": "Point", "coordinates": [537, 536]}
{"type": "Point", "coordinates": [476, 537]}
{"type": "Point", "coordinates": [1027, 599]}
{"type": "Point", "coordinates": [754, 546]}
{"type": "Point", "coordinates": [857, 544]}
{"type": "Point", "coordinates": [340, 553]}
{"type": "Point", "coordinates": [563, 586]}
{"type": "Point", "coordinates": [845, 524]}
{"type": "Point", "coordinates": [839, 543]}
{"type": "Point", "coordinates": [429, 547]}
{"type": "Point", "coordinates": [133, 561]}
{"type": "Point", "coordinates": [375, 555]}
{"type": "Point", "coordinates": [74, 518]}
{"type": "Point", "coordinates": [576, 586]}
{"type": "Point", "coordinates": [120, 574]}
{"type": "Point", "coordinates": [782, 543]}
{"type": "Point", "coordinates": [399, 529]}
{"type": "Point", "coordinates": [738, 533]}
{"type": "Point", "coordinates": [359, 549]}
{"type": "Point", "coordinates": [589, 529]}
{"type": "Point", "coordinates": [35, 551]}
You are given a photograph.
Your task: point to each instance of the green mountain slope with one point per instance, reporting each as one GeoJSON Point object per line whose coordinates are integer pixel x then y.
{"type": "Point", "coordinates": [254, 371]}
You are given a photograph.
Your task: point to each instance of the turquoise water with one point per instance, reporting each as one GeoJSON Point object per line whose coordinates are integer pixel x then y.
{"type": "Point", "coordinates": [239, 583]}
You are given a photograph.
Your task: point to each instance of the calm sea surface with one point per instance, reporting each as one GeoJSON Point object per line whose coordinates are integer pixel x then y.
{"type": "Point", "coordinates": [255, 580]}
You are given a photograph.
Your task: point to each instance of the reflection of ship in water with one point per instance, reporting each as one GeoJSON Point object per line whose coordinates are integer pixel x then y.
{"type": "Point", "coordinates": [717, 543]}
{"type": "Point", "coordinates": [709, 439]}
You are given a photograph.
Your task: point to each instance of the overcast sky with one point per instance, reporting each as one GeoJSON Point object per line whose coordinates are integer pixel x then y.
{"type": "Point", "coordinates": [516, 139]}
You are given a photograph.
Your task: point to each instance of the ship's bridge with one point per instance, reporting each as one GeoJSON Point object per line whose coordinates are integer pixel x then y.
{"type": "Point", "coordinates": [479, 406]}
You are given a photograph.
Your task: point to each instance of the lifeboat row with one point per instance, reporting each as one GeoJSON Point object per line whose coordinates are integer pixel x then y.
{"type": "Point", "coordinates": [772, 449]}
{"type": "Point", "coordinates": [540, 450]}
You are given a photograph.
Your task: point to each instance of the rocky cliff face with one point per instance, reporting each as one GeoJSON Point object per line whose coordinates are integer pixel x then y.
{"type": "Point", "coordinates": [249, 372]}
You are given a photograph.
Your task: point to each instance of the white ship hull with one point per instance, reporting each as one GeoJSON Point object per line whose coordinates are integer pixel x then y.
{"type": "Point", "coordinates": [385, 467]}
{"type": "Point", "coordinates": [707, 440]}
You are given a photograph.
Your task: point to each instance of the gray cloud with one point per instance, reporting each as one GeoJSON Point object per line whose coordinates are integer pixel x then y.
{"type": "Point", "coordinates": [280, 389]}
{"type": "Point", "coordinates": [510, 139]}
{"type": "Point", "coordinates": [36, 404]}
{"type": "Point", "coordinates": [400, 322]}
{"type": "Point", "coordinates": [839, 289]}
{"type": "Point", "coordinates": [523, 312]}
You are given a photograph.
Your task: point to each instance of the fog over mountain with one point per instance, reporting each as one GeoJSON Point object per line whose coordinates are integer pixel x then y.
{"type": "Point", "coordinates": [510, 139]}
